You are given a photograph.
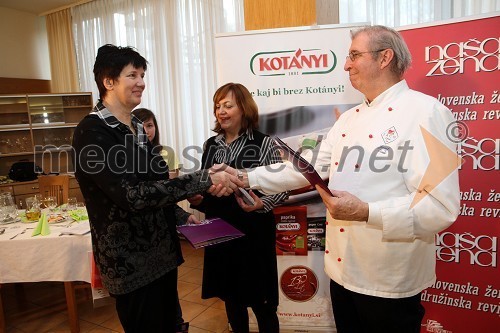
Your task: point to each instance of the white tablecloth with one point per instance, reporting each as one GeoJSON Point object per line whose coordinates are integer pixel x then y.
{"type": "Point", "coordinates": [43, 258]}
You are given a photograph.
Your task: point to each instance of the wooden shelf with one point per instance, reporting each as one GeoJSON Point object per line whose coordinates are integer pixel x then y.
{"type": "Point", "coordinates": [10, 111]}
{"type": "Point", "coordinates": [23, 119]}
{"type": "Point", "coordinates": [23, 127]}
{"type": "Point", "coordinates": [38, 126]}
{"type": "Point", "coordinates": [23, 153]}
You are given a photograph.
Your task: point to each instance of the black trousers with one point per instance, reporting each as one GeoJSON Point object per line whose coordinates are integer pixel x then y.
{"type": "Point", "coordinates": [152, 308]}
{"type": "Point", "coordinates": [358, 313]}
{"type": "Point", "coordinates": [267, 319]}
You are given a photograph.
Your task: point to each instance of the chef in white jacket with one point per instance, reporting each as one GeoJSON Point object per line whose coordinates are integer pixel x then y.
{"type": "Point", "coordinates": [392, 168]}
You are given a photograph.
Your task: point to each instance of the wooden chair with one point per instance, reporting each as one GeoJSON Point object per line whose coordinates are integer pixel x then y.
{"type": "Point", "coordinates": [57, 186]}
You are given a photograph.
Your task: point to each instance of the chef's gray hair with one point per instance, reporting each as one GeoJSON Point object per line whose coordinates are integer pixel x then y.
{"type": "Point", "coordinates": [381, 38]}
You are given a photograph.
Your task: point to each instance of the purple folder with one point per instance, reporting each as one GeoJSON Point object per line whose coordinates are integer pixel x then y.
{"type": "Point", "coordinates": [302, 165]}
{"type": "Point", "coordinates": [209, 232]}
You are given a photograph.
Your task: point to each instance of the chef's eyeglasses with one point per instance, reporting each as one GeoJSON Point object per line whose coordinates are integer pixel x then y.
{"type": "Point", "coordinates": [353, 55]}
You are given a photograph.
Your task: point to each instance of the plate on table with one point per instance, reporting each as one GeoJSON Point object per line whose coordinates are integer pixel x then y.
{"type": "Point", "coordinates": [10, 220]}
{"type": "Point", "coordinates": [56, 218]}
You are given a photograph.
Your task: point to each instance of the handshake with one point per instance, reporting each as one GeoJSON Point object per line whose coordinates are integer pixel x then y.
{"type": "Point", "coordinates": [225, 180]}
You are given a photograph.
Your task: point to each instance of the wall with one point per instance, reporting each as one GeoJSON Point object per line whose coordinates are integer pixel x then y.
{"type": "Point", "coordinates": [25, 51]}
{"type": "Point", "coordinates": [265, 14]}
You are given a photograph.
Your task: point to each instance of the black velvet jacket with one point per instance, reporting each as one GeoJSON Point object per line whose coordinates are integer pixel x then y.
{"type": "Point", "coordinates": [130, 201]}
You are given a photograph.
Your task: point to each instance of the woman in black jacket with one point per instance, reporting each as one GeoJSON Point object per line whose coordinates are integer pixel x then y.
{"type": "Point", "coordinates": [131, 201]}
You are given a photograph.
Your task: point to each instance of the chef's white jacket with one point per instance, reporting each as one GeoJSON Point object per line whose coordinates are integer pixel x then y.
{"type": "Point", "coordinates": [380, 152]}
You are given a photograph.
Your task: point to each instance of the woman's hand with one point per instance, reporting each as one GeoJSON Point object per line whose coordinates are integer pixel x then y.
{"type": "Point", "coordinates": [192, 220]}
{"type": "Point", "coordinates": [247, 208]}
{"type": "Point", "coordinates": [195, 200]}
{"type": "Point", "coordinates": [224, 179]}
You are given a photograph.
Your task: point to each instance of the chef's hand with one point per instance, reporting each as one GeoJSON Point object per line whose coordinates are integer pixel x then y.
{"type": "Point", "coordinates": [344, 205]}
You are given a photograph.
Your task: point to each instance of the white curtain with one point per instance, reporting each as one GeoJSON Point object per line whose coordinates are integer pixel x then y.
{"type": "Point", "coordinates": [396, 13]}
{"type": "Point", "coordinates": [177, 39]}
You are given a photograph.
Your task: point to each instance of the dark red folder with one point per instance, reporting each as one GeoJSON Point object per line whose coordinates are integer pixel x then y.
{"type": "Point", "coordinates": [302, 165]}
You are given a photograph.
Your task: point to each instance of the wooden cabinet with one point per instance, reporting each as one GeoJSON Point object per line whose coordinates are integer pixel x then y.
{"type": "Point", "coordinates": [39, 128]}
{"type": "Point", "coordinates": [23, 190]}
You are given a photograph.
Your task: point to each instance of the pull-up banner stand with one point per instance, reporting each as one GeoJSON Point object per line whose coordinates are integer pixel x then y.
{"type": "Point", "coordinates": [458, 62]}
{"type": "Point", "coordinates": [297, 78]}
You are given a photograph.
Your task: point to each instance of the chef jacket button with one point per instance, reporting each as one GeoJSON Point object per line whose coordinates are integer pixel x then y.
{"type": "Point", "coordinates": [342, 230]}
{"type": "Point", "coordinates": [370, 136]}
{"type": "Point", "coordinates": [343, 135]}
{"type": "Point", "coordinates": [390, 109]}
{"type": "Point", "coordinates": [357, 166]}
{"type": "Point", "coordinates": [336, 163]}
{"type": "Point", "coordinates": [339, 259]}
{"type": "Point", "coordinates": [326, 251]}
{"type": "Point", "coordinates": [357, 110]}
{"type": "Point", "coordinates": [326, 222]}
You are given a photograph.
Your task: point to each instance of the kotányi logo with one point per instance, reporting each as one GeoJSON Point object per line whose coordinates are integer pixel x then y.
{"type": "Point", "coordinates": [287, 226]}
{"type": "Point", "coordinates": [299, 62]}
{"type": "Point", "coordinates": [434, 326]}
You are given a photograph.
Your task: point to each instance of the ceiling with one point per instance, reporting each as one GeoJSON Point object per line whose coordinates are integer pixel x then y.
{"type": "Point", "coordinates": [36, 6]}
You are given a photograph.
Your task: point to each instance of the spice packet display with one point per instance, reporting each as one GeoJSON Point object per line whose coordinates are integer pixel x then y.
{"type": "Point", "coordinates": [316, 233]}
{"type": "Point", "coordinates": [291, 230]}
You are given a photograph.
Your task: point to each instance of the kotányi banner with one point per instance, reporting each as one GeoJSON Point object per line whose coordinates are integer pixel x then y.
{"type": "Point", "coordinates": [297, 79]}
{"type": "Point", "coordinates": [296, 76]}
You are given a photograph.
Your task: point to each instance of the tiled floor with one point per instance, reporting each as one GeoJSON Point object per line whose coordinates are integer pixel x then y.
{"type": "Point", "coordinates": [41, 308]}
